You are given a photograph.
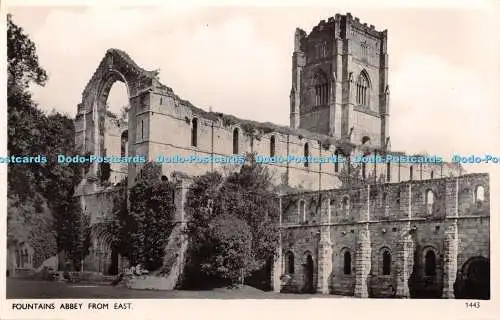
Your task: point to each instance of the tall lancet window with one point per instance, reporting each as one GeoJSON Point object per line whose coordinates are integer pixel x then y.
{"type": "Point", "coordinates": [363, 90]}
{"type": "Point", "coordinates": [321, 90]}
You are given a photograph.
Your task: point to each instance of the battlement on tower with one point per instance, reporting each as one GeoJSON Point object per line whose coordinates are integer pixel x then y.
{"type": "Point", "coordinates": [342, 22]}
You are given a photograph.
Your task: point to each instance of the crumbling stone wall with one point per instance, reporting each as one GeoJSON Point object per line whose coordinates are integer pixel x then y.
{"type": "Point", "coordinates": [161, 123]}
{"type": "Point", "coordinates": [456, 229]}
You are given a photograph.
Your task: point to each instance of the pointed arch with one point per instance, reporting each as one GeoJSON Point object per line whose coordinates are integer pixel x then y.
{"type": "Point", "coordinates": [194, 132]}
{"type": "Point", "coordinates": [321, 88]}
{"type": "Point", "coordinates": [306, 154]}
{"type": "Point", "coordinates": [236, 140]}
{"type": "Point", "coordinates": [363, 86]}
{"type": "Point", "coordinates": [272, 146]}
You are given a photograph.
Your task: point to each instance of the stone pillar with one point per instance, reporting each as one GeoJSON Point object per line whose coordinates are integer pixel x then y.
{"type": "Point", "coordinates": [181, 190]}
{"type": "Point", "coordinates": [298, 64]}
{"type": "Point", "coordinates": [277, 268]}
{"type": "Point", "coordinates": [450, 266]}
{"type": "Point", "coordinates": [325, 265]}
{"type": "Point", "coordinates": [450, 261]}
{"type": "Point", "coordinates": [363, 262]}
{"type": "Point", "coordinates": [404, 259]}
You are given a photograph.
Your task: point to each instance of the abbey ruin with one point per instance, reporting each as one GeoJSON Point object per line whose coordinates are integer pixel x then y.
{"type": "Point", "coordinates": [407, 229]}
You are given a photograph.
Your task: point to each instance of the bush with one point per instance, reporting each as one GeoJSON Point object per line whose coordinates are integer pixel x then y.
{"type": "Point", "coordinates": [217, 207]}
{"type": "Point", "coordinates": [230, 241]}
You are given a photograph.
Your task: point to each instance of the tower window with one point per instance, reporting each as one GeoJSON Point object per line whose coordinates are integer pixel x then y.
{"type": "Point", "coordinates": [194, 133]}
{"type": "Point", "coordinates": [411, 172]}
{"type": "Point", "coordinates": [363, 90]}
{"type": "Point", "coordinates": [321, 90]}
{"type": "Point", "coordinates": [236, 141]}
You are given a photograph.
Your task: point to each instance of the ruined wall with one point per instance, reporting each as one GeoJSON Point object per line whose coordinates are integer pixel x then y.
{"type": "Point", "coordinates": [391, 213]}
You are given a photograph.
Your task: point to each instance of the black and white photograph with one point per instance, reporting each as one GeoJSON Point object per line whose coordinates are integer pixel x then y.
{"type": "Point", "coordinates": [249, 153]}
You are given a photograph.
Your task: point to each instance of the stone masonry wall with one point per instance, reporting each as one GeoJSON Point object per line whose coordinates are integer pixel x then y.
{"type": "Point", "coordinates": [455, 227]}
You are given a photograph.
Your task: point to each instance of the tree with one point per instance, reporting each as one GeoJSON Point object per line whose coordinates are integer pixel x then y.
{"type": "Point", "coordinates": [247, 195]}
{"type": "Point", "coordinates": [22, 59]}
{"type": "Point", "coordinates": [144, 229]}
{"type": "Point", "coordinates": [230, 242]}
{"type": "Point", "coordinates": [47, 185]}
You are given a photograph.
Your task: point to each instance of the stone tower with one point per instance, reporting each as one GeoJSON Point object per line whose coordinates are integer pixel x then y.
{"type": "Point", "coordinates": [340, 81]}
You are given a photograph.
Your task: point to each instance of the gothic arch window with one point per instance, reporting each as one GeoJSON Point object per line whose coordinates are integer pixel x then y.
{"type": "Point", "coordinates": [432, 174]}
{"type": "Point", "coordinates": [272, 146]}
{"type": "Point", "coordinates": [331, 206]}
{"type": "Point", "coordinates": [429, 201]}
{"type": "Point", "coordinates": [363, 170]}
{"type": "Point", "coordinates": [411, 172]}
{"type": "Point", "coordinates": [347, 262]}
{"type": "Point", "coordinates": [124, 143]}
{"type": "Point", "coordinates": [289, 263]}
{"type": "Point", "coordinates": [236, 142]}
{"type": "Point", "coordinates": [302, 210]}
{"type": "Point", "coordinates": [384, 199]}
{"type": "Point", "coordinates": [194, 133]}
{"type": "Point", "coordinates": [386, 262]}
{"type": "Point", "coordinates": [321, 89]}
{"type": "Point", "coordinates": [363, 90]}
{"type": "Point", "coordinates": [336, 164]}
{"type": "Point", "coordinates": [365, 49]}
{"type": "Point", "coordinates": [306, 155]}
{"type": "Point", "coordinates": [388, 172]}
{"type": "Point", "coordinates": [312, 209]}
{"type": "Point", "coordinates": [430, 263]}
{"type": "Point", "coordinates": [142, 129]}
{"type": "Point", "coordinates": [345, 205]}
{"type": "Point", "coordinates": [479, 194]}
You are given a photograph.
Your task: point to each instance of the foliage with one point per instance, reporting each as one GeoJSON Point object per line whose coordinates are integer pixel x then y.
{"type": "Point", "coordinates": [22, 60]}
{"type": "Point", "coordinates": [32, 132]}
{"type": "Point", "coordinates": [141, 232]}
{"type": "Point", "coordinates": [31, 222]}
{"type": "Point", "coordinates": [230, 241]}
{"type": "Point", "coordinates": [248, 195]}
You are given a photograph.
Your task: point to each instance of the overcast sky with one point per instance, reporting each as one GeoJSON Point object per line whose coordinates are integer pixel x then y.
{"type": "Point", "coordinates": [444, 65]}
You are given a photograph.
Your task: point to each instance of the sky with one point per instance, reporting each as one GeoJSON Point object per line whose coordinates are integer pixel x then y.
{"type": "Point", "coordinates": [443, 72]}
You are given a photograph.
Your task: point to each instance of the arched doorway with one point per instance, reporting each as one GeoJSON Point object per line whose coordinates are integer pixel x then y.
{"type": "Point", "coordinates": [473, 280]}
{"type": "Point", "coordinates": [308, 274]}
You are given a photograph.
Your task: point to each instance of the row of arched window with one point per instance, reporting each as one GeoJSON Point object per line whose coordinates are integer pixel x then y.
{"type": "Point", "coordinates": [236, 143]}
{"type": "Point", "coordinates": [347, 262]}
{"type": "Point", "coordinates": [429, 201]}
